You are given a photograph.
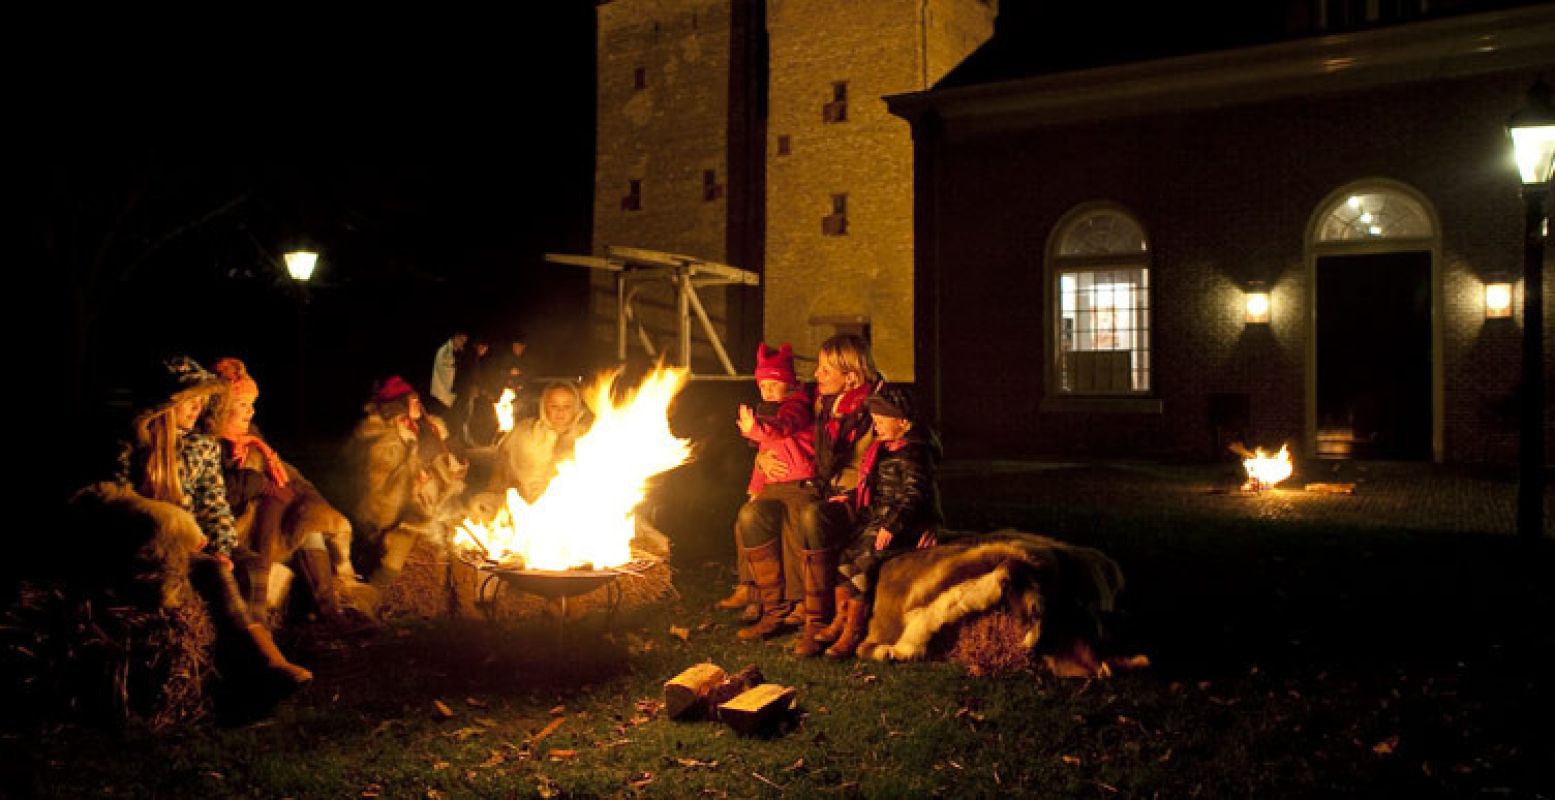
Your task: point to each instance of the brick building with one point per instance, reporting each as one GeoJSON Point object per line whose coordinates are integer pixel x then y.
{"type": "Point", "coordinates": [754, 133]}
{"type": "Point", "coordinates": [1087, 238]}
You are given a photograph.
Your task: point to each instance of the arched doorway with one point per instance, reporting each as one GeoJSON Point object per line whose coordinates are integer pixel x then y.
{"type": "Point", "coordinates": [1374, 367]}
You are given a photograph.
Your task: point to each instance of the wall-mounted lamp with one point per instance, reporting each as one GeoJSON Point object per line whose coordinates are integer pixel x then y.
{"type": "Point", "coordinates": [1498, 299]}
{"type": "Point", "coordinates": [1256, 302]}
{"type": "Point", "coordinates": [300, 264]}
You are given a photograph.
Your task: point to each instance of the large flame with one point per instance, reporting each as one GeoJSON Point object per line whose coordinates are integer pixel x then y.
{"type": "Point", "coordinates": [1264, 471]}
{"type": "Point", "coordinates": [586, 516]}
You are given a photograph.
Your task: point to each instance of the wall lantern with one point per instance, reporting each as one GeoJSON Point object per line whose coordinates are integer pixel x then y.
{"type": "Point", "coordinates": [1498, 299]}
{"type": "Point", "coordinates": [1256, 302]}
{"type": "Point", "coordinates": [300, 264]}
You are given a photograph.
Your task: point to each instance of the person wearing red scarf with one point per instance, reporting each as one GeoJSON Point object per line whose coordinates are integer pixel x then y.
{"type": "Point", "coordinates": [282, 517]}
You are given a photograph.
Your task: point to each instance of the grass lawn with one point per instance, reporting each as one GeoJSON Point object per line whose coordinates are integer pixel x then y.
{"type": "Point", "coordinates": [1296, 653]}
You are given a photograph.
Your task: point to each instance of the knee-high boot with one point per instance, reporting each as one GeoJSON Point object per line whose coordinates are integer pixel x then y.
{"type": "Point", "coordinates": [844, 597]}
{"type": "Point", "coordinates": [853, 631]}
{"type": "Point", "coordinates": [767, 568]}
{"type": "Point", "coordinates": [818, 573]}
{"type": "Point", "coordinates": [230, 614]}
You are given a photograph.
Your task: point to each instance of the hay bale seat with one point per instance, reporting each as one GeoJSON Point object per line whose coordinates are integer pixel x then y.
{"type": "Point", "coordinates": [103, 659]}
{"type": "Point", "coordinates": [435, 584]}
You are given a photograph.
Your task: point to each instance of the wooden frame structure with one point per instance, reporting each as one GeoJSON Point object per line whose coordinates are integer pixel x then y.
{"type": "Point", "coordinates": [635, 267]}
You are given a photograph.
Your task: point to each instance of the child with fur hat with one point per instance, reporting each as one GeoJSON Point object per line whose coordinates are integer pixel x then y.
{"type": "Point", "coordinates": [786, 431]}
{"type": "Point", "coordinates": [898, 509]}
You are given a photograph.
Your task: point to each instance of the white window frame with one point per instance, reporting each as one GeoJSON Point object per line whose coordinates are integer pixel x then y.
{"type": "Point", "coordinates": [1132, 377]}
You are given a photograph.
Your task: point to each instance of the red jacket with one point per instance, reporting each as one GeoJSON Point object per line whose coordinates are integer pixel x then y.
{"type": "Point", "coordinates": [791, 434]}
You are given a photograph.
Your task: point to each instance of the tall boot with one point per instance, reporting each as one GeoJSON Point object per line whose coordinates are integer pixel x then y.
{"type": "Point", "coordinates": [313, 563]}
{"type": "Point", "coordinates": [743, 595]}
{"type": "Point", "coordinates": [818, 572]}
{"type": "Point", "coordinates": [767, 568]}
{"type": "Point", "coordinates": [274, 660]}
{"type": "Point", "coordinates": [844, 597]}
{"type": "Point", "coordinates": [853, 631]}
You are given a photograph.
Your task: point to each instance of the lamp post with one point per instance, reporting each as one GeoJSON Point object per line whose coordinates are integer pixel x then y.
{"type": "Point", "coordinates": [1533, 141]}
{"type": "Point", "coordinates": [300, 265]}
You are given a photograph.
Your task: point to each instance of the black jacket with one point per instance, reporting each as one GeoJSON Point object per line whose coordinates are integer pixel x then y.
{"type": "Point", "coordinates": [903, 495]}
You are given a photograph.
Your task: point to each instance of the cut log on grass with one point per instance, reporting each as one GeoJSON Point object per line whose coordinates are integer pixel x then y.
{"type": "Point", "coordinates": [685, 695]}
{"type": "Point", "coordinates": [732, 687]}
{"type": "Point", "coordinates": [1331, 488]}
{"type": "Point", "coordinates": [757, 709]}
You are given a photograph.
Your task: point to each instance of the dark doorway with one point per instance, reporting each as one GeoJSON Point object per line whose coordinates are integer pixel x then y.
{"type": "Point", "coordinates": [1374, 354]}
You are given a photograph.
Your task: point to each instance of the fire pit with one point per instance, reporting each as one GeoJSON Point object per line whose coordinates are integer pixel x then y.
{"type": "Point", "coordinates": [555, 586]}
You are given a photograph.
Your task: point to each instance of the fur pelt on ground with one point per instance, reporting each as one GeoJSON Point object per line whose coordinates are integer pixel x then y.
{"type": "Point", "coordinates": [1055, 591]}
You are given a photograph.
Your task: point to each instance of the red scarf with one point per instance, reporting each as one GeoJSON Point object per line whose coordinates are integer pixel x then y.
{"type": "Point", "coordinates": [850, 401]}
{"type": "Point", "coordinates": [240, 444]}
{"type": "Point", "coordinates": [866, 465]}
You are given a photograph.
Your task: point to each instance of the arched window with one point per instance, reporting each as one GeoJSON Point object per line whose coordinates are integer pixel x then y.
{"type": "Point", "coordinates": [1372, 214]}
{"type": "Point", "coordinates": [1100, 282]}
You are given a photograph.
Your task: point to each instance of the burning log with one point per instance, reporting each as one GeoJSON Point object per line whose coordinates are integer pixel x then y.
{"type": "Point", "coordinates": [1263, 470]}
{"type": "Point", "coordinates": [1331, 488]}
{"type": "Point", "coordinates": [757, 709]}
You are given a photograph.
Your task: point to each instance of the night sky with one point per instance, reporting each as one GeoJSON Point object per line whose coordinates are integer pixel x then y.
{"type": "Point", "coordinates": [430, 160]}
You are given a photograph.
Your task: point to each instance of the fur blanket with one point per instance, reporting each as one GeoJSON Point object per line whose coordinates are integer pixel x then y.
{"type": "Point", "coordinates": [1056, 591]}
{"type": "Point", "coordinates": [129, 544]}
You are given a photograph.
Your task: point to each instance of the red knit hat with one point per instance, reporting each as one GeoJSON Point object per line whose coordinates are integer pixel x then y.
{"type": "Point", "coordinates": [390, 389]}
{"type": "Point", "coordinates": [775, 365]}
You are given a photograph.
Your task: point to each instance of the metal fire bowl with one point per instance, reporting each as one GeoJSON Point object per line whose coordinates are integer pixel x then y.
{"type": "Point", "coordinates": [553, 584]}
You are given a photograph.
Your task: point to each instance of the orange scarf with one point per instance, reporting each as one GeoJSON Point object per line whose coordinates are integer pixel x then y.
{"type": "Point", "coordinates": [240, 444]}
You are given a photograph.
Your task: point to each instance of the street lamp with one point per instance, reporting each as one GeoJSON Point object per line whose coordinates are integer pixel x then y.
{"type": "Point", "coordinates": [300, 265]}
{"type": "Point", "coordinates": [1532, 130]}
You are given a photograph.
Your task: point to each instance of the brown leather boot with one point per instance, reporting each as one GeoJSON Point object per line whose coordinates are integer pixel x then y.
{"type": "Point", "coordinates": [767, 569]}
{"type": "Point", "coordinates": [818, 571]}
{"type": "Point", "coordinates": [844, 598]}
{"type": "Point", "coordinates": [274, 660]}
{"type": "Point", "coordinates": [345, 618]}
{"type": "Point", "coordinates": [743, 595]}
{"type": "Point", "coordinates": [853, 632]}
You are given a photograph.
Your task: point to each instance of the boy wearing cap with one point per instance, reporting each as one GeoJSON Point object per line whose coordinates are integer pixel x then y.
{"type": "Point", "coordinates": [898, 505]}
{"type": "Point", "coordinates": [787, 434]}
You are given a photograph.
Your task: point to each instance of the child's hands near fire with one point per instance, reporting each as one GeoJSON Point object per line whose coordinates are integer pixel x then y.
{"type": "Point", "coordinates": [883, 538]}
{"type": "Point", "coordinates": [746, 420]}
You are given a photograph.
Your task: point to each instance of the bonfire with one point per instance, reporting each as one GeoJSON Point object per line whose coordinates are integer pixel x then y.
{"type": "Point", "coordinates": [586, 518]}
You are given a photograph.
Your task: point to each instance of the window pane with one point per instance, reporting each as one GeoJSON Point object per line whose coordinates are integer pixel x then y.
{"type": "Point", "coordinates": [1102, 232]}
{"type": "Point", "coordinates": [1104, 331]}
{"type": "Point", "coordinates": [1378, 214]}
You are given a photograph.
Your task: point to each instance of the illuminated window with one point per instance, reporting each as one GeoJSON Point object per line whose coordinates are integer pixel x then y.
{"type": "Point", "coordinates": [1101, 285]}
{"type": "Point", "coordinates": [1373, 214]}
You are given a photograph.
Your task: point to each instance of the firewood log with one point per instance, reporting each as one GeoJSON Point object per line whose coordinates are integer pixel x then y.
{"type": "Point", "coordinates": [733, 686]}
{"type": "Point", "coordinates": [685, 695]}
{"type": "Point", "coordinates": [758, 708]}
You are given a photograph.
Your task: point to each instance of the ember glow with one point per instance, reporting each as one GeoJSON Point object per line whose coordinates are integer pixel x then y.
{"type": "Point", "coordinates": [586, 518]}
{"type": "Point", "coordinates": [1264, 471]}
{"type": "Point", "coordinates": [504, 409]}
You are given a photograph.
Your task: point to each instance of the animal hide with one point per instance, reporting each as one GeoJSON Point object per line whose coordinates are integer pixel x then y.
{"type": "Point", "coordinates": [1057, 591]}
{"type": "Point", "coordinates": [131, 544]}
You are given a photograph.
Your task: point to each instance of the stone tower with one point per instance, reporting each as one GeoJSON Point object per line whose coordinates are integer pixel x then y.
{"type": "Point", "coordinates": [753, 132]}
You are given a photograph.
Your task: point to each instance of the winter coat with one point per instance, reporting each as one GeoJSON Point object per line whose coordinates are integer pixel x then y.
{"type": "Point", "coordinates": [204, 488]}
{"type": "Point", "coordinates": [394, 481]}
{"type": "Point", "coordinates": [840, 441]}
{"type": "Point", "coordinates": [790, 432]}
{"type": "Point", "coordinates": [900, 493]}
{"type": "Point", "coordinates": [528, 455]}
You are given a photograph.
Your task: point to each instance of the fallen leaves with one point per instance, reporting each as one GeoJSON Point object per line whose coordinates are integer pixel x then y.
{"type": "Point", "coordinates": [475, 703]}
{"type": "Point", "coordinates": [1386, 747]}
{"type": "Point", "coordinates": [562, 754]}
{"type": "Point", "coordinates": [546, 731]}
{"type": "Point", "coordinates": [697, 762]}
{"type": "Point", "coordinates": [683, 634]}
{"type": "Point", "coordinates": [442, 710]}
{"type": "Point", "coordinates": [1073, 761]}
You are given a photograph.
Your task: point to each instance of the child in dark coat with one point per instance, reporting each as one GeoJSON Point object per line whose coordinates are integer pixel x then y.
{"type": "Point", "coordinates": [899, 510]}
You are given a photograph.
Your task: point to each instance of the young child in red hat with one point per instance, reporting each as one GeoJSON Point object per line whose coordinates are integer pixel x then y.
{"type": "Point", "coordinates": [783, 424]}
